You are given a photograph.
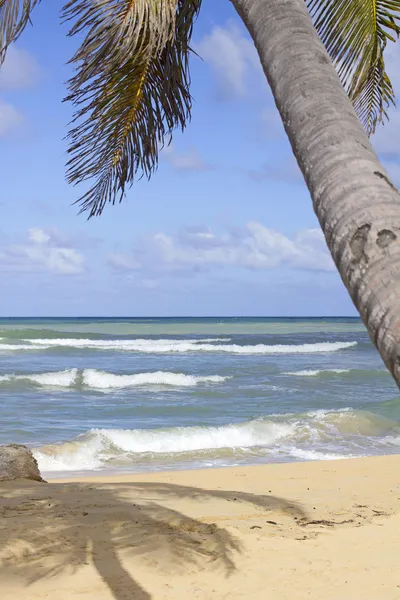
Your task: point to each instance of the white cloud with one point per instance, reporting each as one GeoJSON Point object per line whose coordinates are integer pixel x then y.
{"type": "Point", "coordinates": [253, 247]}
{"type": "Point", "coordinates": [189, 161]}
{"type": "Point", "coordinates": [43, 250]}
{"type": "Point", "coordinates": [20, 70]}
{"type": "Point", "coordinates": [10, 118]}
{"type": "Point", "coordinates": [39, 236]}
{"type": "Point", "coordinates": [65, 261]}
{"type": "Point", "coordinates": [231, 55]}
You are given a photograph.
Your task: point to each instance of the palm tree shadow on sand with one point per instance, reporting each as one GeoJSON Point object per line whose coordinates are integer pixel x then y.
{"type": "Point", "coordinates": [49, 529]}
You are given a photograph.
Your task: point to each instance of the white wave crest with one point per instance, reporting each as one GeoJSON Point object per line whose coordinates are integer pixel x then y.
{"type": "Point", "coordinates": [168, 346]}
{"type": "Point", "coordinates": [313, 373]}
{"type": "Point", "coordinates": [57, 379]}
{"type": "Point", "coordinates": [60, 378]}
{"type": "Point", "coordinates": [102, 380]}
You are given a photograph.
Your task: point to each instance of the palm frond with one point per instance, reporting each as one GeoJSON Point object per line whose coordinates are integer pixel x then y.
{"type": "Point", "coordinates": [131, 90]}
{"type": "Point", "coordinates": [355, 34]}
{"type": "Point", "coordinates": [14, 16]}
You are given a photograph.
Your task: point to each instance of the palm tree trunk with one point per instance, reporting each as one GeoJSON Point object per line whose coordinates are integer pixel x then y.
{"type": "Point", "coordinates": [356, 204]}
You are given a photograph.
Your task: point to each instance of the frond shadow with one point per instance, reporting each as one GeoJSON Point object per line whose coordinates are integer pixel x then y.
{"type": "Point", "coordinates": [49, 529]}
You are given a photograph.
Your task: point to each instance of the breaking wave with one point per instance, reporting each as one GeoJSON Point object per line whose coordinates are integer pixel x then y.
{"type": "Point", "coordinates": [310, 436]}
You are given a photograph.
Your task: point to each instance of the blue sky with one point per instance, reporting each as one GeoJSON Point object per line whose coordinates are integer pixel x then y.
{"type": "Point", "coordinates": [225, 227]}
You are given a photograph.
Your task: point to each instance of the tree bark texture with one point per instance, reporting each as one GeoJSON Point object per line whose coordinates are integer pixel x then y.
{"type": "Point", "coordinates": [357, 205]}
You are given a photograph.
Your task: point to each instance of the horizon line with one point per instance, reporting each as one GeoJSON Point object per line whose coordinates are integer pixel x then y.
{"type": "Point", "coordinates": [182, 317]}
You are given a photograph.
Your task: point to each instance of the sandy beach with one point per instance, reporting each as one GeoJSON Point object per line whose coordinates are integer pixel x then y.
{"type": "Point", "coordinates": [306, 530]}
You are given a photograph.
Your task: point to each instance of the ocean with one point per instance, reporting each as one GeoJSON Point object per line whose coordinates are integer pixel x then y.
{"type": "Point", "coordinates": [108, 395]}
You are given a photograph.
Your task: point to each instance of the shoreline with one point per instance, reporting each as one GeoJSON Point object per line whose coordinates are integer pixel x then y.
{"type": "Point", "coordinates": [281, 530]}
{"type": "Point", "coordinates": [109, 476]}
{"type": "Point", "coordinates": [126, 474]}
{"type": "Point", "coordinates": [122, 474]}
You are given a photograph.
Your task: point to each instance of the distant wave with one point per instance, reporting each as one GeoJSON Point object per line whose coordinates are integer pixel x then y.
{"type": "Point", "coordinates": [175, 346]}
{"type": "Point", "coordinates": [314, 435]}
{"type": "Point", "coordinates": [327, 372]}
{"type": "Point", "coordinates": [313, 373]}
{"type": "Point", "coordinates": [102, 380]}
{"type": "Point", "coordinates": [15, 347]}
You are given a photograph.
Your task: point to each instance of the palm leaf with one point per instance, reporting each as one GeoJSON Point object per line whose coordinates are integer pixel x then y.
{"type": "Point", "coordinates": [131, 90]}
{"type": "Point", "coordinates": [14, 16]}
{"type": "Point", "coordinates": [355, 33]}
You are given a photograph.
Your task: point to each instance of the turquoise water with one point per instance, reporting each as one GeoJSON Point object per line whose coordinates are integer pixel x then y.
{"type": "Point", "coordinates": [144, 394]}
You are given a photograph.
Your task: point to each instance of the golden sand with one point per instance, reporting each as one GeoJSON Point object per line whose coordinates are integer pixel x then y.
{"type": "Point", "coordinates": [315, 531]}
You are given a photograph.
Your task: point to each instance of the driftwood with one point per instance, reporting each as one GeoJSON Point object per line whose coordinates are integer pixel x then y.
{"type": "Point", "coordinates": [18, 462]}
